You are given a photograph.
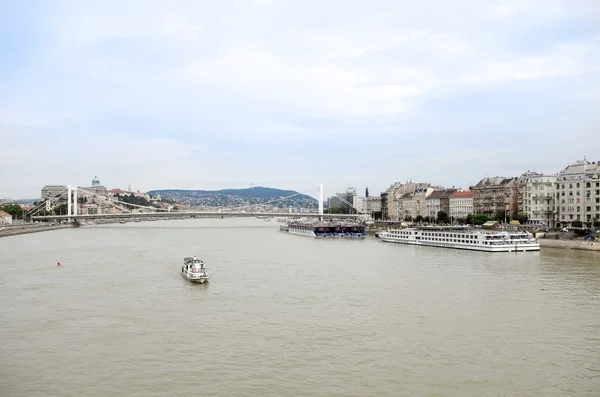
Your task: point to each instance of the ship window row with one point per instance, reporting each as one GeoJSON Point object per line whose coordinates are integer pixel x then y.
{"type": "Point", "coordinates": [465, 236]}
{"type": "Point", "coordinates": [451, 240]}
{"type": "Point", "coordinates": [433, 234]}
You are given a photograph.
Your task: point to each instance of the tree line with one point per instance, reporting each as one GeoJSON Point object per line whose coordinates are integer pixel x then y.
{"type": "Point", "coordinates": [471, 219]}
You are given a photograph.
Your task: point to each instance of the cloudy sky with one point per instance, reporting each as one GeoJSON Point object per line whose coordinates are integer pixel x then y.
{"type": "Point", "coordinates": [222, 94]}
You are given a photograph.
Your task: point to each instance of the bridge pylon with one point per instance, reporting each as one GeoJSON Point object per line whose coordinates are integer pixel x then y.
{"type": "Point", "coordinates": [72, 204]}
{"type": "Point", "coordinates": [69, 203]}
{"type": "Point", "coordinates": [321, 202]}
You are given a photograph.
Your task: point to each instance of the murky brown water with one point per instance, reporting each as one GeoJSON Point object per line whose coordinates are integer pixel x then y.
{"type": "Point", "coordinates": [289, 315]}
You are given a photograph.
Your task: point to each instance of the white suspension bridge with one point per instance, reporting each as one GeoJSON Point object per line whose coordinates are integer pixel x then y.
{"type": "Point", "coordinates": [72, 213]}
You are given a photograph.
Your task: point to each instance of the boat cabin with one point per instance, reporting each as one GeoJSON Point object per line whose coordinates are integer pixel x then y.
{"type": "Point", "coordinates": [193, 265]}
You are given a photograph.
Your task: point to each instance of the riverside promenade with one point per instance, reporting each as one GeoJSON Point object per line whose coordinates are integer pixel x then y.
{"type": "Point", "coordinates": [570, 244]}
{"type": "Point", "coordinates": [27, 228]}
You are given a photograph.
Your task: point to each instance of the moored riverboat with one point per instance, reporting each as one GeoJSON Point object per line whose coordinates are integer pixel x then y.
{"type": "Point", "coordinates": [463, 238]}
{"type": "Point", "coordinates": [325, 229]}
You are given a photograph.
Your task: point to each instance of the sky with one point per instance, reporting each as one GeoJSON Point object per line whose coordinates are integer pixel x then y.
{"type": "Point", "coordinates": [194, 94]}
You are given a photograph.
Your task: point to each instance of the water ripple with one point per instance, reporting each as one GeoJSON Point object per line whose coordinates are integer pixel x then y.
{"type": "Point", "coordinates": [289, 315]}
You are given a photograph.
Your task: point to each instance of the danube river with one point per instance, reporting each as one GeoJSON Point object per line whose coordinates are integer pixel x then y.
{"type": "Point", "coordinates": [288, 315]}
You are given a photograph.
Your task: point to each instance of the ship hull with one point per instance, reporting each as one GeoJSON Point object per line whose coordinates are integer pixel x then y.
{"type": "Point", "coordinates": [507, 248]}
{"type": "Point", "coordinates": [320, 231]}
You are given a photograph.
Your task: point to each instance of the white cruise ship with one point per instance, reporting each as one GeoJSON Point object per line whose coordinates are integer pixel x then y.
{"type": "Point", "coordinates": [463, 238]}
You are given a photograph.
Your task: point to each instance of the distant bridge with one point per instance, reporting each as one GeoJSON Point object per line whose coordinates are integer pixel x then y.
{"type": "Point", "coordinates": [191, 214]}
{"type": "Point", "coordinates": [73, 213]}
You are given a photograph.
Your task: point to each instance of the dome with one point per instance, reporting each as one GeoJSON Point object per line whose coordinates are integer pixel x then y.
{"type": "Point", "coordinates": [95, 181]}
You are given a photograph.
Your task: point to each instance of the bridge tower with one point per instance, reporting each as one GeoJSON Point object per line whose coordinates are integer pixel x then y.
{"type": "Point", "coordinates": [75, 201]}
{"type": "Point", "coordinates": [321, 202]}
{"type": "Point", "coordinates": [69, 203]}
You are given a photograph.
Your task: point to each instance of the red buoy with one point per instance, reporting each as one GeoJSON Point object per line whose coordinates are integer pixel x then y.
{"type": "Point", "coordinates": [58, 264]}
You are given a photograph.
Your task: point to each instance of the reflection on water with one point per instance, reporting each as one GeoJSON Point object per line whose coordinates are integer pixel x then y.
{"type": "Point", "coordinates": [290, 315]}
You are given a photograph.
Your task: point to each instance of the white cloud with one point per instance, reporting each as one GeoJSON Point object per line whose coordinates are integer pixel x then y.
{"type": "Point", "coordinates": [262, 71]}
{"type": "Point", "coordinates": [323, 59]}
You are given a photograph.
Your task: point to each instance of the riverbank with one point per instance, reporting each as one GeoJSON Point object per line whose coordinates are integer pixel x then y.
{"type": "Point", "coordinates": [570, 244]}
{"type": "Point", "coordinates": [31, 228]}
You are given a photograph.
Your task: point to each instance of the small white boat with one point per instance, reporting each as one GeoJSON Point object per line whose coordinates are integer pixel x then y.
{"type": "Point", "coordinates": [194, 270]}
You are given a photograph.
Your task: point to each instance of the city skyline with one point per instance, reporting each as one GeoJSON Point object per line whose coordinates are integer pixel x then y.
{"type": "Point", "coordinates": [208, 96]}
{"type": "Point", "coordinates": [328, 191]}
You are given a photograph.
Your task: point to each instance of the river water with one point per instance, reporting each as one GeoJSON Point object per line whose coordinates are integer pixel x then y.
{"type": "Point", "coordinates": [288, 315]}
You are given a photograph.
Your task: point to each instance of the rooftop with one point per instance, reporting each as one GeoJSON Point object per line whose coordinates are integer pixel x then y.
{"type": "Point", "coordinates": [463, 194]}
{"type": "Point", "coordinates": [436, 194]}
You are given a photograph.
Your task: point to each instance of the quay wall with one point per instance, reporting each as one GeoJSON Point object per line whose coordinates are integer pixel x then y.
{"type": "Point", "coordinates": [15, 231]}
{"type": "Point", "coordinates": [570, 244]}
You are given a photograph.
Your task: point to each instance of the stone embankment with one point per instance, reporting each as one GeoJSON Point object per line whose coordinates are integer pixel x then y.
{"type": "Point", "coordinates": [570, 244]}
{"type": "Point", "coordinates": [31, 228]}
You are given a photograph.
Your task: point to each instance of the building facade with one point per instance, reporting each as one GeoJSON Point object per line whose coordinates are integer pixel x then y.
{"type": "Point", "coordinates": [51, 191]}
{"type": "Point", "coordinates": [348, 201]}
{"type": "Point", "coordinates": [445, 201]}
{"type": "Point", "coordinates": [5, 218]}
{"type": "Point", "coordinates": [393, 199]}
{"type": "Point", "coordinates": [538, 199]}
{"type": "Point", "coordinates": [97, 187]}
{"type": "Point", "coordinates": [371, 204]}
{"type": "Point", "coordinates": [433, 204]}
{"type": "Point", "coordinates": [461, 204]}
{"type": "Point", "coordinates": [414, 203]}
{"type": "Point", "coordinates": [577, 195]}
{"type": "Point", "coordinates": [384, 205]}
{"type": "Point", "coordinates": [494, 196]}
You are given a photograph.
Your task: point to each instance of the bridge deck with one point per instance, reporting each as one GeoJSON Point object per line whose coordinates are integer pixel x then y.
{"type": "Point", "coordinates": [189, 214]}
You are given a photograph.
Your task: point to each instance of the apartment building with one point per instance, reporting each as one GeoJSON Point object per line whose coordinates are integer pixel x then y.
{"type": "Point", "coordinates": [348, 201]}
{"type": "Point", "coordinates": [461, 204]}
{"type": "Point", "coordinates": [414, 203]}
{"type": "Point", "coordinates": [445, 201]}
{"type": "Point", "coordinates": [51, 191]}
{"type": "Point", "coordinates": [538, 198]}
{"type": "Point", "coordinates": [391, 199]}
{"type": "Point", "coordinates": [371, 204]}
{"type": "Point", "coordinates": [577, 194]}
{"type": "Point", "coordinates": [495, 195]}
{"type": "Point", "coordinates": [433, 203]}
